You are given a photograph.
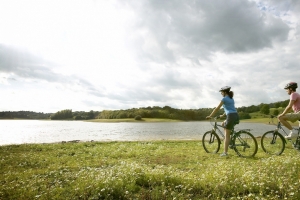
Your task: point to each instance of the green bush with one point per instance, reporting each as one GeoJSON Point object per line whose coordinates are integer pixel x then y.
{"type": "Point", "coordinates": [138, 117]}
{"type": "Point", "coordinates": [78, 117]}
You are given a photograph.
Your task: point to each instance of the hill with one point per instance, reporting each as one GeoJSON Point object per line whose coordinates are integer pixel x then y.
{"type": "Point", "coordinates": [166, 112]}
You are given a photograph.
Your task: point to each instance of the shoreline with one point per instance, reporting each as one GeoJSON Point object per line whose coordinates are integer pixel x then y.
{"type": "Point", "coordinates": [147, 120]}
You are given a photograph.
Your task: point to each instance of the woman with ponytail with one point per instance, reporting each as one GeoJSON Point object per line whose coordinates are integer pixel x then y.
{"type": "Point", "coordinates": [232, 117]}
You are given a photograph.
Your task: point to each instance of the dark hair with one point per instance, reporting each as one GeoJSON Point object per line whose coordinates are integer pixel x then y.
{"type": "Point", "coordinates": [229, 93]}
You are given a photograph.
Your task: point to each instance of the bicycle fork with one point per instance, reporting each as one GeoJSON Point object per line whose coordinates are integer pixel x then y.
{"type": "Point", "coordinates": [296, 144]}
{"type": "Point", "coordinates": [273, 141]}
{"type": "Point", "coordinates": [212, 137]}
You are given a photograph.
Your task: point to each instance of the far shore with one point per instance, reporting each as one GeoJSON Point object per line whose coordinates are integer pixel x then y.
{"type": "Point", "coordinates": [253, 120]}
{"type": "Point", "coordinates": [133, 120]}
{"type": "Point", "coordinates": [262, 120]}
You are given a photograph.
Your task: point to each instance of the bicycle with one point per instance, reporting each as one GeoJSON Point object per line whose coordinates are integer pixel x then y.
{"type": "Point", "coordinates": [273, 142]}
{"type": "Point", "coordinates": [242, 141]}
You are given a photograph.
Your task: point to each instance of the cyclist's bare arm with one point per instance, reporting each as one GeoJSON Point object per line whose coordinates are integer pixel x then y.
{"type": "Point", "coordinates": [215, 110]}
{"type": "Point", "coordinates": [288, 108]}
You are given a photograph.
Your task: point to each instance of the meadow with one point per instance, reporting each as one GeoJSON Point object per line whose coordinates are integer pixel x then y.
{"type": "Point", "coordinates": [144, 170]}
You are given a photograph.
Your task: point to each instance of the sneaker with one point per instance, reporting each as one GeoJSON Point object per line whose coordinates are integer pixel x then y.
{"type": "Point", "coordinates": [224, 154]}
{"type": "Point", "coordinates": [290, 136]}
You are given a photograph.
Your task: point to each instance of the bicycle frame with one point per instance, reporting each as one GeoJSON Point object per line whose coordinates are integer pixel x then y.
{"type": "Point", "coordinates": [242, 142]}
{"type": "Point", "coordinates": [233, 133]}
{"type": "Point", "coordinates": [216, 128]}
{"type": "Point", "coordinates": [280, 128]}
{"type": "Point", "coordinates": [273, 142]}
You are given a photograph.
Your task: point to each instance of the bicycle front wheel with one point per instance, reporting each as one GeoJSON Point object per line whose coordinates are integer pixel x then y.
{"type": "Point", "coordinates": [245, 144]}
{"type": "Point", "coordinates": [211, 142]}
{"type": "Point", "coordinates": [272, 142]}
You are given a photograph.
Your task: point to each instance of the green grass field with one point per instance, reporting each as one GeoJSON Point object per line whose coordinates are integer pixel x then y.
{"type": "Point", "coordinates": [258, 117]}
{"type": "Point", "coordinates": [144, 170]}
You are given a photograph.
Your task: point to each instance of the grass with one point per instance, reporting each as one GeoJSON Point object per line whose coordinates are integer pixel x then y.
{"type": "Point", "coordinates": [257, 120]}
{"type": "Point", "coordinates": [258, 117]}
{"type": "Point", "coordinates": [143, 170]}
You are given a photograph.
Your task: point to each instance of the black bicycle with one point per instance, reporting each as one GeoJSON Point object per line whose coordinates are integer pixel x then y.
{"type": "Point", "coordinates": [273, 142]}
{"type": "Point", "coordinates": [242, 141]}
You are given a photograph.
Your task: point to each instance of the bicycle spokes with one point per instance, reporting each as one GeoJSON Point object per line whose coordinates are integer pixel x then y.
{"type": "Point", "coordinates": [296, 144]}
{"type": "Point", "coordinates": [245, 144]}
{"type": "Point", "coordinates": [212, 138]}
{"type": "Point", "coordinates": [211, 142]}
{"type": "Point", "coordinates": [242, 143]}
{"type": "Point", "coordinates": [272, 142]}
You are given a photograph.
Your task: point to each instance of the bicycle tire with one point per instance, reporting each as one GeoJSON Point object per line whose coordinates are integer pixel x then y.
{"type": "Point", "coordinates": [296, 144]}
{"type": "Point", "coordinates": [211, 142]}
{"type": "Point", "coordinates": [245, 144]}
{"type": "Point", "coordinates": [272, 142]}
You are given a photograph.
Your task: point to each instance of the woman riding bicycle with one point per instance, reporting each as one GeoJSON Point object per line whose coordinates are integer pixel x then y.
{"type": "Point", "coordinates": [294, 105]}
{"type": "Point", "coordinates": [232, 117]}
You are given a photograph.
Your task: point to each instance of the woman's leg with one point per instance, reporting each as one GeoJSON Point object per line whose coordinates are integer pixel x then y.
{"type": "Point", "coordinates": [227, 140]}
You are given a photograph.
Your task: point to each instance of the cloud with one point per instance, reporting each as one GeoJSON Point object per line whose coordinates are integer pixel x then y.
{"type": "Point", "coordinates": [123, 53]}
{"type": "Point", "coordinates": [23, 66]}
{"type": "Point", "coordinates": [166, 32]}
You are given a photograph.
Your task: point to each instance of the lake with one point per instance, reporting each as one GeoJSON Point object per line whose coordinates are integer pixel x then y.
{"type": "Point", "coordinates": [44, 131]}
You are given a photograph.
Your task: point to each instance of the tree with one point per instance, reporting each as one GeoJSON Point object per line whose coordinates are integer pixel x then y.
{"type": "Point", "coordinates": [77, 117]}
{"type": "Point", "coordinates": [138, 117]}
{"type": "Point", "coordinates": [285, 103]}
{"type": "Point", "coordinates": [244, 115]}
{"type": "Point", "coordinates": [277, 104]}
{"type": "Point", "coordinates": [252, 109]}
{"type": "Point", "coordinates": [91, 115]}
{"type": "Point", "coordinates": [276, 112]}
{"type": "Point", "coordinates": [63, 114]}
{"type": "Point", "coordinates": [265, 109]}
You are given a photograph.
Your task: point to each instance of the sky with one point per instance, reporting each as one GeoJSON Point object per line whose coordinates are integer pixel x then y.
{"type": "Point", "coordinates": [120, 54]}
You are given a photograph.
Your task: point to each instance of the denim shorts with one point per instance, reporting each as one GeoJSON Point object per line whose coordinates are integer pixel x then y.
{"type": "Point", "coordinates": [231, 120]}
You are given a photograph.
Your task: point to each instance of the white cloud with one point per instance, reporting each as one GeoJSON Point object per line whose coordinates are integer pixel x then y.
{"type": "Point", "coordinates": [95, 55]}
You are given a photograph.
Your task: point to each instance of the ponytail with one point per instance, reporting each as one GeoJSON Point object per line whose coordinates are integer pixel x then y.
{"type": "Point", "coordinates": [230, 94]}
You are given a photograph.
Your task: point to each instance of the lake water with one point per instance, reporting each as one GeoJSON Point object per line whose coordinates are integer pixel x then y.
{"type": "Point", "coordinates": [40, 131]}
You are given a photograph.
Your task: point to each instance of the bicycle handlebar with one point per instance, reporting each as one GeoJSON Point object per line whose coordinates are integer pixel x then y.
{"type": "Point", "coordinates": [214, 120]}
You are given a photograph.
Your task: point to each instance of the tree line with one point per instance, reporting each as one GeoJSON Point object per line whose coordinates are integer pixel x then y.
{"type": "Point", "coordinates": [24, 115]}
{"type": "Point", "coordinates": [166, 112]}
{"type": "Point", "coordinates": [78, 115]}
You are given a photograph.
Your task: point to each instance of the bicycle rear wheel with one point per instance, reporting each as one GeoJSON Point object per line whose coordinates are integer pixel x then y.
{"type": "Point", "coordinates": [245, 144]}
{"type": "Point", "coordinates": [211, 142]}
{"type": "Point", "coordinates": [296, 144]}
{"type": "Point", "coordinates": [272, 142]}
